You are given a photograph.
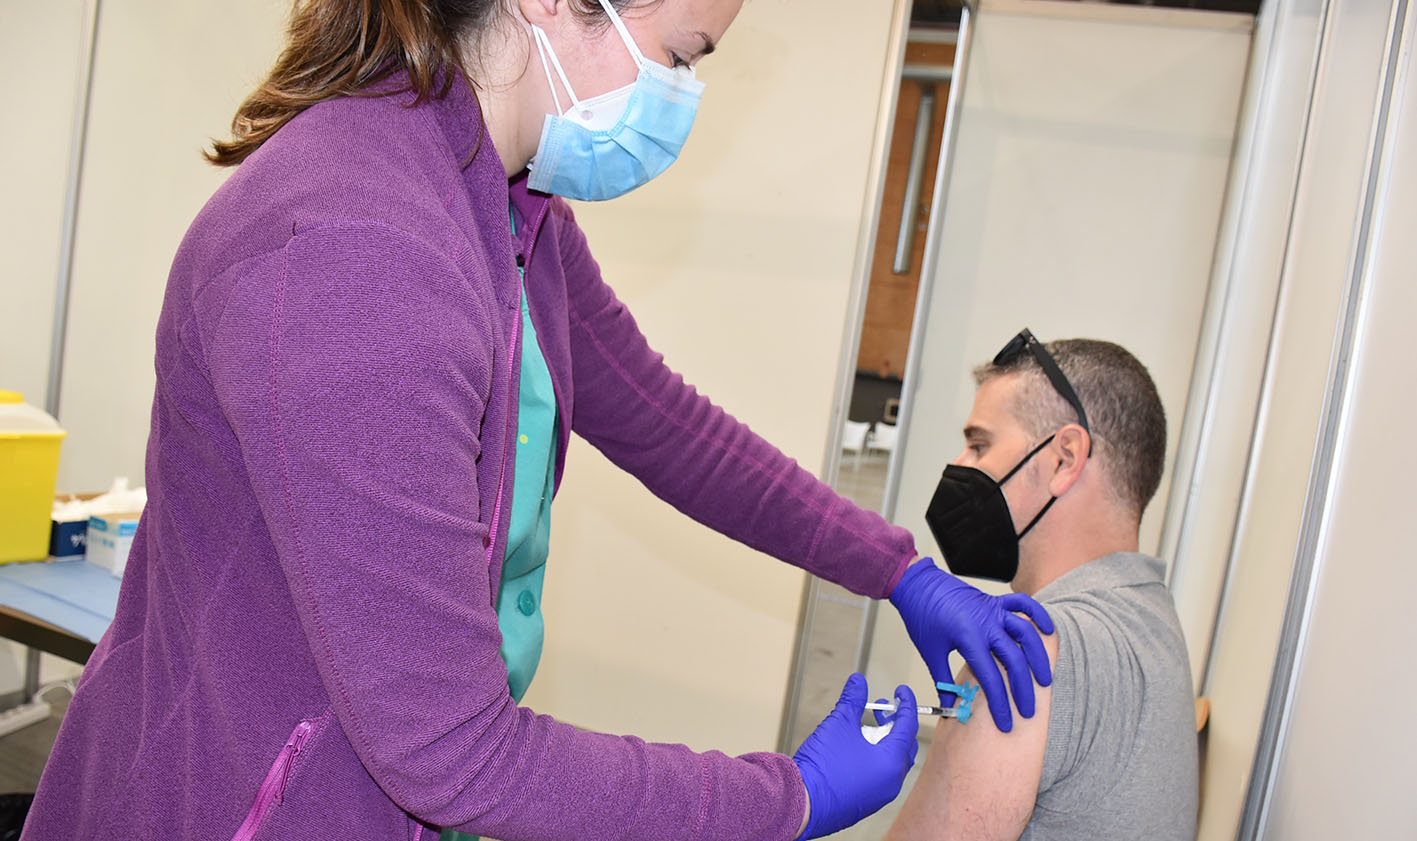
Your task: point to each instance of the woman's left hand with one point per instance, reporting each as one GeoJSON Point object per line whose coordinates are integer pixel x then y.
{"type": "Point", "coordinates": [944, 614]}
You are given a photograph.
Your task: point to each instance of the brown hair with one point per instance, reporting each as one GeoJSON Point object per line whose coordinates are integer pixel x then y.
{"type": "Point", "coordinates": [1123, 409]}
{"type": "Point", "coordinates": [337, 48]}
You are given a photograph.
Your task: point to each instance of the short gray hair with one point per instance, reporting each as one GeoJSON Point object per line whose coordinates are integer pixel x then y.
{"type": "Point", "coordinates": [1123, 409]}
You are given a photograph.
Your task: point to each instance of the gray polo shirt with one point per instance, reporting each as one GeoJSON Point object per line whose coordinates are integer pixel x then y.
{"type": "Point", "coordinates": [1121, 756]}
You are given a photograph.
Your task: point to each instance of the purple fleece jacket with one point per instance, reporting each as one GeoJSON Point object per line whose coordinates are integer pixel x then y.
{"type": "Point", "coordinates": [306, 645]}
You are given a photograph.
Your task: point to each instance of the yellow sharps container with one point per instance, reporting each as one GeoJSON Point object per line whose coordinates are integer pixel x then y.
{"type": "Point", "coordinates": [29, 465]}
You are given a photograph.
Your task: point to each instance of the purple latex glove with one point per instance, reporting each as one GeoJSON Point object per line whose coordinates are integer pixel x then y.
{"type": "Point", "coordinates": [847, 777]}
{"type": "Point", "coordinates": [944, 614]}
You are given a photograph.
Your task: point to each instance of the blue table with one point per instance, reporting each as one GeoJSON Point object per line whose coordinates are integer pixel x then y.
{"type": "Point", "coordinates": [61, 608]}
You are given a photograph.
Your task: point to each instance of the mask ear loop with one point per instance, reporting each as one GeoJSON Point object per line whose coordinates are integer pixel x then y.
{"type": "Point", "coordinates": [543, 46]}
{"type": "Point", "coordinates": [1035, 451]}
{"type": "Point", "coordinates": [1017, 468]}
{"type": "Point", "coordinates": [1034, 521]}
{"type": "Point", "coordinates": [624, 33]}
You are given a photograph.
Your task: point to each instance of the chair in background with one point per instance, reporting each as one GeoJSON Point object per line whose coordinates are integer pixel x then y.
{"type": "Point", "coordinates": [883, 438]}
{"type": "Point", "coordinates": [853, 439]}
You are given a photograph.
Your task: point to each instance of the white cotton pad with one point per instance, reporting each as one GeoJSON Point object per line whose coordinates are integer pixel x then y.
{"type": "Point", "coordinates": [875, 733]}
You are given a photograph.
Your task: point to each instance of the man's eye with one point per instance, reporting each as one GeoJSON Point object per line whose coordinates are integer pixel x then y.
{"type": "Point", "coordinates": [676, 61]}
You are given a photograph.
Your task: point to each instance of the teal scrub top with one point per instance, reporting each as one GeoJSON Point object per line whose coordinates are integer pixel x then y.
{"type": "Point", "coordinates": [529, 525]}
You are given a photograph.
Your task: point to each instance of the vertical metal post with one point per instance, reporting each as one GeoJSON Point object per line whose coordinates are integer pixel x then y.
{"type": "Point", "coordinates": [82, 94]}
{"type": "Point", "coordinates": [851, 341]}
{"type": "Point", "coordinates": [910, 208]}
{"type": "Point", "coordinates": [31, 674]}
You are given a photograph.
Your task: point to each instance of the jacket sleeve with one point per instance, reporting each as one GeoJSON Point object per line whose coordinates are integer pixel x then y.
{"type": "Point", "coordinates": [700, 459]}
{"type": "Point", "coordinates": [355, 367]}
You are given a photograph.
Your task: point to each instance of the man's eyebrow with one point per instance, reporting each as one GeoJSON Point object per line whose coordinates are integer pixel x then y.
{"type": "Point", "coordinates": [709, 45]}
{"type": "Point", "coordinates": [973, 432]}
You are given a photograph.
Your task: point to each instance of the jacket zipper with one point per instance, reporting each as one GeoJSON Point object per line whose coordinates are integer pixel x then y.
{"type": "Point", "coordinates": [509, 433]}
{"type": "Point", "coordinates": [272, 790]}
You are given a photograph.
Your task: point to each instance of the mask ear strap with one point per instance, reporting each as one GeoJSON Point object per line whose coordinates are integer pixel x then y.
{"type": "Point", "coordinates": [1017, 468]}
{"type": "Point", "coordinates": [543, 46]}
{"type": "Point", "coordinates": [1031, 454]}
{"type": "Point", "coordinates": [1034, 521]}
{"type": "Point", "coordinates": [624, 33]}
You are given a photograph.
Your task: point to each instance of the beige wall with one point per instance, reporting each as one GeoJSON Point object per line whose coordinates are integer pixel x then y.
{"type": "Point", "coordinates": [737, 264]}
{"type": "Point", "coordinates": [40, 43]}
{"type": "Point", "coordinates": [167, 78]}
{"type": "Point", "coordinates": [35, 148]}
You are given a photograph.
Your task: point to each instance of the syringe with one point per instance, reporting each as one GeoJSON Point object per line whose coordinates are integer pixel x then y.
{"type": "Point", "coordinates": [922, 709]}
{"type": "Point", "coordinates": [964, 693]}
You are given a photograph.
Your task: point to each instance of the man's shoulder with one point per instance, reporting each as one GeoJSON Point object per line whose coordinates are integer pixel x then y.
{"type": "Point", "coordinates": [1121, 691]}
{"type": "Point", "coordinates": [1112, 572]}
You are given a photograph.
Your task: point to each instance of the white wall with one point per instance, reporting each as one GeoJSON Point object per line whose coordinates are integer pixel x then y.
{"type": "Point", "coordinates": [1086, 191]}
{"type": "Point", "coordinates": [737, 263]}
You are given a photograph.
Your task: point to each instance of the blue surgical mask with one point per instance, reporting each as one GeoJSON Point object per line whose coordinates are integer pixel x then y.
{"type": "Point", "coordinates": [606, 146]}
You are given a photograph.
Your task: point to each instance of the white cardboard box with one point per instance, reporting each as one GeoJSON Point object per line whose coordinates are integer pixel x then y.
{"type": "Point", "coordinates": [110, 539]}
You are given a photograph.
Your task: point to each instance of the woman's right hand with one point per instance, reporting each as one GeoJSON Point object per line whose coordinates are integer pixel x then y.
{"type": "Point", "coordinates": [847, 777]}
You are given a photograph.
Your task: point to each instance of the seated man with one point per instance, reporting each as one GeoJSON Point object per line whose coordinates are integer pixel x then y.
{"type": "Point", "coordinates": [1073, 429]}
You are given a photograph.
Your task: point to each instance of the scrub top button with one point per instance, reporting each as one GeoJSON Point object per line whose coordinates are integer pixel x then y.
{"type": "Point", "coordinates": [526, 603]}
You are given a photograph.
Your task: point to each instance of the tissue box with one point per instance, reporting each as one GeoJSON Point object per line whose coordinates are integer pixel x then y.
{"type": "Point", "coordinates": [110, 537]}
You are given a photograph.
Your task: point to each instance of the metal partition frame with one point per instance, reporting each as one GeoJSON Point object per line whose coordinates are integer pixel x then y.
{"type": "Point", "coordinates": [1210, 468]}
{"type": "Point", "coordinates": [82, 95]}
{"type": "Point", "coordinates": [1321, 486]}
{"type": "Point", "coordinates": [851, 338]}
{"type": "Point", "coordinates": [928, 270]}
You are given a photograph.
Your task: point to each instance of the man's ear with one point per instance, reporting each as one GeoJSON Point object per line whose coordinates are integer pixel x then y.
{"type": "Point", "coordinates": [1071, 445]}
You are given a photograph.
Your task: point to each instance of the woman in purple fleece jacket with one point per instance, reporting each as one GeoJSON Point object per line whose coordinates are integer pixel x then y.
{"type": "Point", "coordinates": [358, 329]}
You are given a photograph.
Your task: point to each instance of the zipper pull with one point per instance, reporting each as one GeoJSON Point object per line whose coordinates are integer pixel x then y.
{"type": "Point", "coordinates": [289, 752]}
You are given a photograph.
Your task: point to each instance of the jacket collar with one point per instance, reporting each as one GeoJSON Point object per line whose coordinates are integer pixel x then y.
{"type": "Point", "coordinates": [458, 115]}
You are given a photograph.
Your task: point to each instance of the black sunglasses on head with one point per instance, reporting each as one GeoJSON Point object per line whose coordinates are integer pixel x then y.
{"type": "Point", "coordinates": [1025, 341]}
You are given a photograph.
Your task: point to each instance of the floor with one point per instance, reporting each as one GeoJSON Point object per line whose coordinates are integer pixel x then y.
{"type": "Point", "coordinates": [26, 750]}
{"type": "Point", "coordinates": [862, 479]}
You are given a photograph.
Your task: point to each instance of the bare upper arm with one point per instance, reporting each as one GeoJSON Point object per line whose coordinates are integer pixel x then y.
{"type": "Point", "coordinates": [979, 784]}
